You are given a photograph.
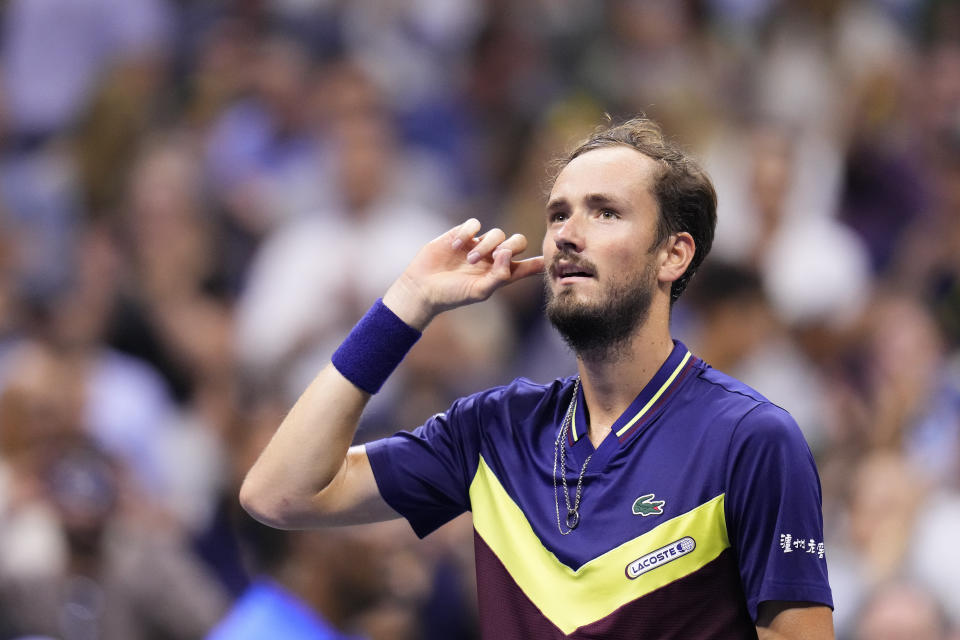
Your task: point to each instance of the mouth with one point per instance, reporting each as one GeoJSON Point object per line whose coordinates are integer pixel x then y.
{"type": "Point", "coordinates": [568, 272]}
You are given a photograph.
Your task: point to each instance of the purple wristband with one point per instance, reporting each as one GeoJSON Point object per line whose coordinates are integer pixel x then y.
{"type": "Point", "coordinates": [374, 348]}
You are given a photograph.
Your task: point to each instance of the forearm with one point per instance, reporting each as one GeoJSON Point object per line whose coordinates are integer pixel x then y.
{"type": "Point", "coordinates": [305, 453]}
{"type": "Point", "coordinates": [306, 475]}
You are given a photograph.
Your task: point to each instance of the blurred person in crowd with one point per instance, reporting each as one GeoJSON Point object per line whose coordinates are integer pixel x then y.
{"type": "Point", "coordinates": [119, 580]}
{"type": "Point", "coordinates": [174, 311]}
{"type": "Point", "coordinates": [221, 69]}
{"type": "Point", "coordinates": [415, 49]}
{"type": "Point", "coordinates": [302, 294]}
{"type": "Point", "coordinates": [263, 139]}
{"type": "Point", "coordinates": [422, 55]}
{"type": "Point", "coordinates": [902, 611]}
{"type": "Point", "coordinates": [506, 81]}
{"type": "Point", "coordinates": [815, 271]}
{"type": "Point", "coordinates": [56, 57]}
{"type": "Point", "coordinates": [38, 409]}
{"type": "Point", "coordinates": [928, 260]}
{"type": "Point", "coordinates": [885, 182]}
{"type": "Point", "coordinates": [795, 79]}
{"type": "Point", "coordinates": [933, 558]}
{"type": "Point", "coordinates": [901, 391]}
{"type": "Point", "coordinates": [108, 138]}
{"type": "Point", "coordinates": [120, 401]}
{"type": "Point", "coordinates": [56, 52]}
{"type": "Point", "coordinates": [171, 298]}
{"type": "Point", "coordinates": [874, 532]}
{"type": "Point", "coordinates": [654, 57]}
{"type": "Point", "coordinates": [349, 95]}
{"type": "Point", "coordinates": [629, 220]}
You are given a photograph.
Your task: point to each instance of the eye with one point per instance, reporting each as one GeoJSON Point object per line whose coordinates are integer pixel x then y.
{"type": "Point", "coordinates": [557, 216]}
{"type": "Point", "coordinates": [608, 214]}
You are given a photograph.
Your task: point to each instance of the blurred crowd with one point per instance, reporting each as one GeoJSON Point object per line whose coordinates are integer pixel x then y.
{"type": "Point", "coordinates": [198, 198]}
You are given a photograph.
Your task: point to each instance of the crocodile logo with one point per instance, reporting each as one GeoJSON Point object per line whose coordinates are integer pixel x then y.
{"type": "Point", "coordinates": [647, 506]}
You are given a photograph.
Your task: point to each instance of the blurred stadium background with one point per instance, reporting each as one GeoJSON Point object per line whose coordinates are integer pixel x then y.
{"type": "Point", "coordinates": [199, 198]}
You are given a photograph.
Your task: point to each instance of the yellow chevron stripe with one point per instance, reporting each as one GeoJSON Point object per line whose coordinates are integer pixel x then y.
{"type": "Point", "coordinates": [655, 397]}
{"type": "Point", "coordinates": [571, 599]}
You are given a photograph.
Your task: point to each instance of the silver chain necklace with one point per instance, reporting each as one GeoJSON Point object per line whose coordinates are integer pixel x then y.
{"type": "Point", "coordinates": [560, 454]}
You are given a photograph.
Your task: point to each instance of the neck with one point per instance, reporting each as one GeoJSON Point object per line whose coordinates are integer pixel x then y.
{"type": "Point", "coordinates": [613, 378]}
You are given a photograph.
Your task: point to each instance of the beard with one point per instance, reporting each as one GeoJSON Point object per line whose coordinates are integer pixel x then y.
{"type": "Point", "coordinates": [597, 330]}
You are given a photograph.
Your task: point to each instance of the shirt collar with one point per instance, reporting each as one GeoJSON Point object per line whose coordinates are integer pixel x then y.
{"type": "Point", "coordinates": [660, 387]}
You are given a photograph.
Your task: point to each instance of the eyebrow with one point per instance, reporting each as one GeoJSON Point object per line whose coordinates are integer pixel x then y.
{"type": "Point", "coordinates": [593, 199]}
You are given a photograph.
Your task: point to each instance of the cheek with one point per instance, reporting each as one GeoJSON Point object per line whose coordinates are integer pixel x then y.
{"type": "Point", "coordinates": [626, 265]}
{"type": "Point", "coordinates": [624, 261]}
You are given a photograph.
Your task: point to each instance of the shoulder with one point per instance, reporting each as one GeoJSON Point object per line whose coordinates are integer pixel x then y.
{"type": "Point", "coordinates": [746, 406]}
{"type": "Point", "coordinates": [519, 397]}
{"type": "Point", "coordinates": [748, 416]}
{"type": "Point", "coordinates": [728, 388]}
{"type": "Point", "coordinates": [526, 390]}
{"type": "Point", "coordinates": [489, 416]}
{"type": "Point", "coordinates": [474, 421]}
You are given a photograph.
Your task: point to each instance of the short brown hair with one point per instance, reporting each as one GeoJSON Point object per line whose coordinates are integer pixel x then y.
{"type": "Point", "coordinates": [685, 195]}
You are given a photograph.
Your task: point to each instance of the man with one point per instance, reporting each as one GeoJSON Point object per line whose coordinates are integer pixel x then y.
{"type": "Point", "coordinates": [649, 496]}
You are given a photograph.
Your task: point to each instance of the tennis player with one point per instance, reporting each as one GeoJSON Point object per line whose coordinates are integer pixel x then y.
{"type": "Point", "coordinates": [648, 496]}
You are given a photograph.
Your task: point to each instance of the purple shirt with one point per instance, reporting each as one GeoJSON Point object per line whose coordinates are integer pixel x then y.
{"type": "Point", "coordinates": [702, 503]}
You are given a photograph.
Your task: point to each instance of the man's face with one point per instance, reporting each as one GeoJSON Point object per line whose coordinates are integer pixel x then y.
{"type": "Point", "coordinates": [601, 263]}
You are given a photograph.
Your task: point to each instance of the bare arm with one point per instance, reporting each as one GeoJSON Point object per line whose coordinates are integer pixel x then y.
{"type": "Point", "coordinates": [794, 621]}
{"type": "Point", "coordinates": [308, 475]}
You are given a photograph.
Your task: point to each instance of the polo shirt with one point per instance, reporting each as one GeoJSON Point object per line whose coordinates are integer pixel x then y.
{"type": "Point", "coordinates": [701, 502]}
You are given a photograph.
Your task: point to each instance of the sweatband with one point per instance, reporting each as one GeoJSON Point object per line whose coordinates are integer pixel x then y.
{"type": "Point", "coordinates": [374, 348]}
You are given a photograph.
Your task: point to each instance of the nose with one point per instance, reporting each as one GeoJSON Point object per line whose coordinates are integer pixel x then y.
{"type": "Point", "coordinates": [568, 235]}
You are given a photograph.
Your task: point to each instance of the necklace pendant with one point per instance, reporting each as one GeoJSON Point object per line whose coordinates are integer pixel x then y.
{"type": "Point", "coordinates": [573, 518]}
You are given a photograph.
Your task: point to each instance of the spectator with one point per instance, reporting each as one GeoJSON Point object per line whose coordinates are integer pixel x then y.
{"type": "Point", "coordinates": [119, 580]}
{"type": "Point", "coordinates": [902, 611]}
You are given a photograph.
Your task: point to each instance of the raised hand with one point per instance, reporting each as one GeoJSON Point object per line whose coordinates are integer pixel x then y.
{"type": "Point", "coordinates": [458, 268]}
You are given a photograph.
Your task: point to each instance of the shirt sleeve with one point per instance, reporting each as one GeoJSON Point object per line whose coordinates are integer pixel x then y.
{"type": "Point", "coordinates": [774, 511]}
{"type": "Point", "coordinates": [424, 475]}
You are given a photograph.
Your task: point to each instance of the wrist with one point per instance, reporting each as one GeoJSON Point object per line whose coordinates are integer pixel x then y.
{"type": "Point", "coordinates": [409, 304]}
{"type": "Point", "coordinates": [374, 348]}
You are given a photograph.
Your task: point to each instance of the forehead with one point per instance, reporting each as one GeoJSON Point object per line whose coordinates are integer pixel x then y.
{"type": "Point", "coordinates": [619, 171]}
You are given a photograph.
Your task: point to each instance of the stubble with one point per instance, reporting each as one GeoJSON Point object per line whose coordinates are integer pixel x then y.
{"type": "Point", "coordinates": [599, 330]}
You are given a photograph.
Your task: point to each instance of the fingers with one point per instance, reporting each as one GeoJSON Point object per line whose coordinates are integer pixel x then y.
{"type": "Point", "coordinates": [495, 246]}
{"type": "Point", "coordinates": [503, 254]}
{"type": "Point", "coordinates": [461, 235]}
{"type": "Point", "coordinates": [517, 243]}
{"type": "Point", "coordinates": [526, 268]}
{"type": "Point", "coordinates": [485, 247]}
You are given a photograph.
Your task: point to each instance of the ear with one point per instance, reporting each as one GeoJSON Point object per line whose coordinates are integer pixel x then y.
{"type": "Point", "coordinates": [675, 257]}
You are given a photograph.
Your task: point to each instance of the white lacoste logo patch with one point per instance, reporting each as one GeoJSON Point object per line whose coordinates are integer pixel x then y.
{"type": "Point", "coordinates": [660, 557]}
